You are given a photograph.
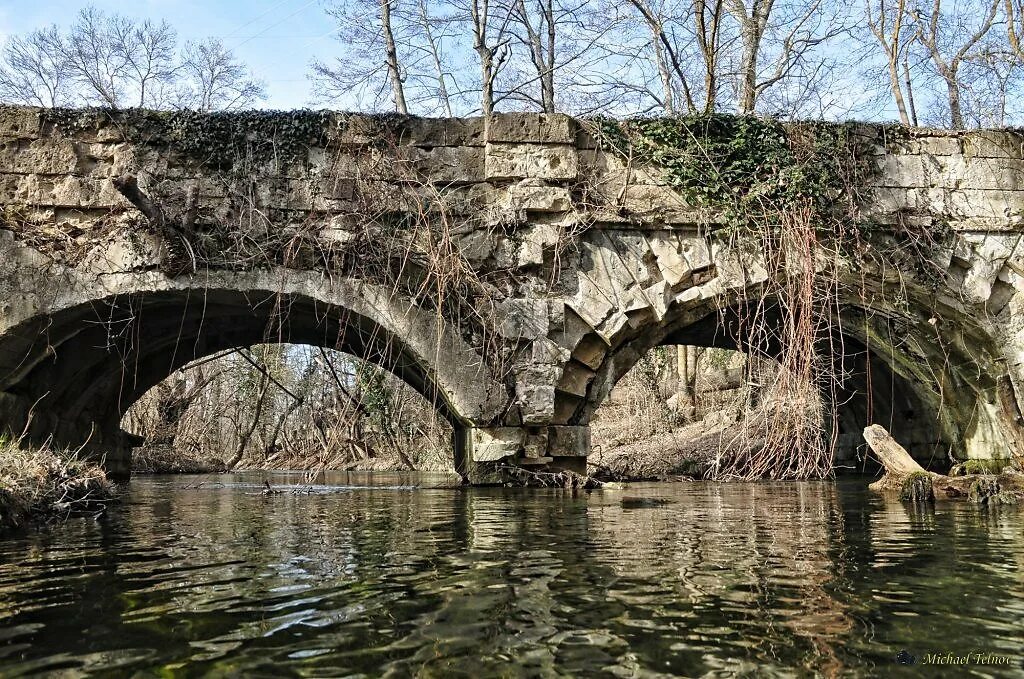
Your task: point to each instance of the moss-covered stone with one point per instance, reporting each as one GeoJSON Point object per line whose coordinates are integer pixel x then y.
{"type": "Point", "coordinates": [984, 490]}
{"type": "Point", "coordinates": [973, 466]}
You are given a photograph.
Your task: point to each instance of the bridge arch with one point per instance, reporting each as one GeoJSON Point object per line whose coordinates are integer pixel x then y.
{"type": "Point", "coordinates": [72, 369]}
{"type": "Point", "coordinates": [905, 358]}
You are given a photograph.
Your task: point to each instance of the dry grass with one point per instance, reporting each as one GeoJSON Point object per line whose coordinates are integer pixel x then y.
{"type": "Point", "coordinates": [646, 431]}
{"type": "Point", "coordinates": [39, 484]}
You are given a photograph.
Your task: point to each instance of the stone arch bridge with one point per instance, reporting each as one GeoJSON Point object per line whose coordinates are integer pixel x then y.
{"type": "Point", "coordinates": [132, 243]}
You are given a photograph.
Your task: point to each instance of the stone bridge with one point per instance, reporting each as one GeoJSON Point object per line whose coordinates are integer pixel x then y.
{"type": "Point", "coordinates": [132, 243]}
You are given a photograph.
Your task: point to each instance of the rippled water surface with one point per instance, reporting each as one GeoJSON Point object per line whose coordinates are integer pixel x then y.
{"type": "Point", "coordinates": [786, 578]}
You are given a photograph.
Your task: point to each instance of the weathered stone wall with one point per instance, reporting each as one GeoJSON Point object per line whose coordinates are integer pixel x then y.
{"type": "Point", "coordinates": [589, 262]}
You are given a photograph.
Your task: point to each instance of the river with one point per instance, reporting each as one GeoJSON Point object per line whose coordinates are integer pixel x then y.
{"type": "Point", "coordinates": [207, 576]}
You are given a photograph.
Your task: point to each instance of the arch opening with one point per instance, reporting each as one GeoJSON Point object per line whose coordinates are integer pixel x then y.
{"type": "Point", "coordinates": [862, 386]}
{"type": "Point", "coordinates": [286, 406]}
{"type": "Point", "coordinates": [73, 374]}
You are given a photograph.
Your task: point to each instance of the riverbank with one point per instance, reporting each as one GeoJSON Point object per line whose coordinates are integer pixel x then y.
{"type": "Point", "coordinates": [39, 484]}
{"type": "Point", "coordinates": [168, 460]}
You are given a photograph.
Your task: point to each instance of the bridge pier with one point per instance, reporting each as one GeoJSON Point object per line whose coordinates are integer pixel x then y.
{"type": "Point", "coordinates": [483, 455]}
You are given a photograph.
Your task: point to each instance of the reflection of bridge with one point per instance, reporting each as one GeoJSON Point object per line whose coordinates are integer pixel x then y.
{"type": "Point", "coordinates": [268, 227]}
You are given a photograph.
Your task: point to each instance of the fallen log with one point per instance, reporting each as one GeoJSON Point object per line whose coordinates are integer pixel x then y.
{"type": "Point", "coordinates": [892, 456]}
{"type": "Point", "coordinates": [915, 484]}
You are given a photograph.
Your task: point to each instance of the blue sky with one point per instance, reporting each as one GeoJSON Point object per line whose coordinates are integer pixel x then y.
{"type": "Point", "coordinates": [276, 38]}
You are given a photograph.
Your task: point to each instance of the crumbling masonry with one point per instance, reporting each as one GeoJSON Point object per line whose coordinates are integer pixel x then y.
{"type": "Point", "coordinates": [587, 263]}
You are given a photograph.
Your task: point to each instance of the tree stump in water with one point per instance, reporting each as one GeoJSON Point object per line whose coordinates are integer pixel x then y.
{"type": "Point", "coordinates": [899, 466]}
{"type": "Point", "coordinates": [917, 488]}
{"type": "Point", "coordinates": [916, 485]}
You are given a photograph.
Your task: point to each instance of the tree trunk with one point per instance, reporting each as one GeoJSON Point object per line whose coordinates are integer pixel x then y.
{"type": "Point", "coordinates": [748, 67]}
{"type": "Point", "coordinates": [391, 57]}
{"type": "Point", "coordinates": [897, 91]}
{"type": "Point", "coordinates": [683, 386]}
{"type": "Point", "coordinates": [910, 92]}
{"type": "Point", "coordinates": [244, 439]}
{"type": "Point", "coordinates": [547, 80]}
{"type": "Point", "coordinates": [956, 117]}
{"type": "Point", "coordinates": [668, 98]}
{"type": "Point", "coordinates": [435, 55]}
{"type": "Point", "coordinates": [479, 10]}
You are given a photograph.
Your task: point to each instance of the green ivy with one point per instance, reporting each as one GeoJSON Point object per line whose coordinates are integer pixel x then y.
{"type": "Point", "coordinates": [751, 169]}
{"type": "Point", "coordinates": [235, 140]}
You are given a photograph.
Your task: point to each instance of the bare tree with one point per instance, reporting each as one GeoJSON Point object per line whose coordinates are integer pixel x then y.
{"type": "Point", "coordinates": [213, 79]}
{"type": "Point", "coordinates": [370, 63]}
{"type": "Point", "coordinates": [34, 71]}
{"type": "Point", "coordinates": [753, 22]}
{"type": "Point", "coordinates": [887, 20]}
{"type": "Point", "coordinates": [996, 71]}
{"type": "Point", "coordinates": [1014, 11]}
{"type": "Point", "coordinates": [780, 41]}
{"type": "Point", "coordinates": [149, 54]}
{"type": "Point", "coordinates": [110, 60]}
{"type": "Point", "coordinates": [707, 17]}
{"type": "Point", "coordinates": [432, 47]}
{"type": "Point", "coordinates": [94, 59]}
{"type": "Point", "coordinates": [667, 56]}
{"type": "Point", "coordinates": [491, 44]}
{"type": "Point", "coordinates": [949, 39]}
{"type": "Point", "coordinates": [391, 56]}
{"type": "Point", "coordinates": [538, 35]}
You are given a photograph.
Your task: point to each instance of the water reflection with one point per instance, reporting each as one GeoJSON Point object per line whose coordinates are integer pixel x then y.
{"type": "Point", "coordinates": [397, 581]}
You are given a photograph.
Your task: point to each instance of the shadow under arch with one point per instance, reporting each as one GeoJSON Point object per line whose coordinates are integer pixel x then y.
{"type": "Point", "coordinates": [869, 387]}
{"type": "Point", "coordinates": [72, 373]}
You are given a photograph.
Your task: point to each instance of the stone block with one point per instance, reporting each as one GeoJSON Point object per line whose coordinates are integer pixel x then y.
{"type": "Point", "coordinates": [492, 444]}
{"type": "Point", "coordinates": [128, 251]}
{"type": "Point", "coordinates": [568, 441]}
{"type": "Point", "coordinates": [1003, 174]}
{"type": "Point", "coordinates": [41, 156]}
{"type": "Point", "coordinates": [538, 128]}
{"type": "Point", "coordinates": [522, 318]}
{"type": "Point", "coordinates": [697, 253]}
{"type": "Point", "coordinates": [993, 144]}
{"type": "Point", "coordinates": [445, 164]}
{"type": "Point", "coordinates": [476, 246]}
{"type": "Point", "coordinates": [432, 132]}
{"type": "Point", "coordinates": [535, 240]}
{"type": "Point", "coordinates": [519, 161]}
{"type": "Point", "coordinates": [539, 198]}
{"type": "Point", "coordinates": [672, 264]}
{"type": "Point", "coordinates": [536, 446]}
{"type": "Point", "coordinates": [19, 122]}
{"type": "Point", "coordinates": [544, 350]}
{"type": "Point", "coordinates": [901, 170]}
{"type": "Point", "coordinates": [536, 400]}
{"type": "Point", "coordinates": [647, 199]}
{"type": "Point", "coordinates": [570, 330]}
{"type": "Point", "coordinates": [590, 351]}
{"type": "Point", "coordinates": [590, 302]}
{"type": "Point", "coordinates": [362, 129]}
{"type": "Point", "coordinates": [888, 200]}
{"type": "Point", "coordinates": [613, 328]}
{"type": "Point", "coordinates": [939, 145]}
{"type": "Point", "coordinates": [575, 379]}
